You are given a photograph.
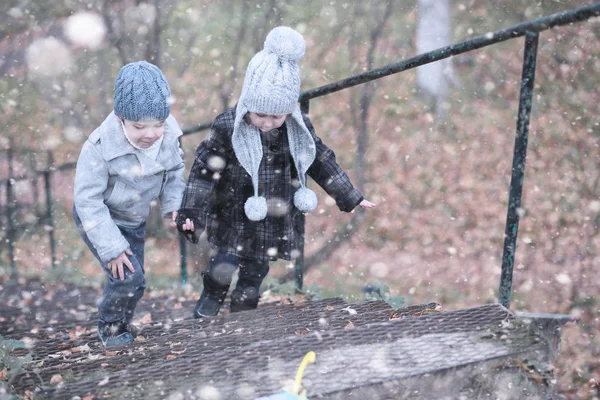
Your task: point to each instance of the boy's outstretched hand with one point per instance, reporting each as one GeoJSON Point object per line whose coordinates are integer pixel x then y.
{"type": "Point", "coordinates": [366, 204]}
{"type": "Point", "coordinates": [116, 265]}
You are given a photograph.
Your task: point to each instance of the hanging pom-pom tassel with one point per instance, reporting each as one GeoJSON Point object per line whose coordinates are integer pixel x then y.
{"type": "Point", "coordinates": [305, 199]}
{"type": "Point", "coordinates": [256, 208]}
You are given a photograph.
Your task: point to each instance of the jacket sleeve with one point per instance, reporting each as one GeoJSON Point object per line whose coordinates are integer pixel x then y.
{"type": "Point", "coordinates": [330, 176]}
{"type": "Point", "coordinates": [212, 156]}
{"type": "Point", "coordinates": [172, 193]}
{"type": "Point", "coordinates": [170, 198]}
{"type": "Point", "coordinates": [91, 180]}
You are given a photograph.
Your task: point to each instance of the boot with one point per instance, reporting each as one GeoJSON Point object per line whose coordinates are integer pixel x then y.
{"type": "Point", "coordinates": [246, 294]}
{"type": "Point", "coordinates": [244, 297]}
{"type": "Point", "coordinates": [114, 334]}
{"type": "Point", "coordinates": [211, 299]}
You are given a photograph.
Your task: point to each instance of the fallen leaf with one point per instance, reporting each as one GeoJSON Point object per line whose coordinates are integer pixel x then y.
{"type": "Point", "coordinates": [140, 338]}
{"type": "Point", "coordinates": [28, 395]}
{"type": "Point", "coordinates": [350, 311]}
{"type": "Point", "coordinates": [85, 347]}
{"type": "Point", "coordinates": [104, 364]}
{"type": "Point", "coordinates": [3, 374]}
{"type": "Point", "coordinates": [110, 353]}
{"type": "Point", "coordinates": [302, 332]}
{"type": "Point", "coordinates": [171, 357]}
{"type": "Point", "coordinates": [146, 319]}
{"type": "Point", "coordinates": [90, 397]}
{"type": "Point", "coordinates": [329, 308]}
{"type": "Point", "coordinates": [56, 379]}
{"type": "Point", "coordinates": [395, 315]}
{"type": "Point", "coordinates": [178, 306]}
{"type": "Point", "coordinates": [350, 325]}
{"type": "Point", "coordinates": [103, 381]}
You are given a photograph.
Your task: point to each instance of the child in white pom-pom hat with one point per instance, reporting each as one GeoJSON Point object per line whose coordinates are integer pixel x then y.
{"type": "Point", "coordinates": [247, 186]}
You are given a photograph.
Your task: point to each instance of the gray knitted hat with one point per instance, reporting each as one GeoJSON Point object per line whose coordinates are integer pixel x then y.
{"type": "Point", "coordinates": [142, 93]}
{"type": "Point", "coordinates": [272, 87]}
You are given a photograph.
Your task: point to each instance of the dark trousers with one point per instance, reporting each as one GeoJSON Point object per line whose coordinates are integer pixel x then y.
{"type": "Point", "coordinates": [120, 297]}
{"type": "Point", "coordinates": [217, 279]}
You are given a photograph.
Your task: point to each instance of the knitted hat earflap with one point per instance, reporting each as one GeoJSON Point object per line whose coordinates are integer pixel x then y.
{"type": "Point", "coordinates": [248, 150]}
{"type": "Point", "coordinates": [303, 151]}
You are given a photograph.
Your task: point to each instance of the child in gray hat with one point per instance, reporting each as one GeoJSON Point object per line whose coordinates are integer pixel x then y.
{"type": "Point", "coordinates": [129, 161]}
{"type": "Point", "coordinates": [247, 186]}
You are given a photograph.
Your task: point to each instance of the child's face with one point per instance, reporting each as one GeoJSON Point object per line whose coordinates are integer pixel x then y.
{"type": "Point", "coordinates": [265, 122]}
{"type": "Point", "coordinates": [144, 133]}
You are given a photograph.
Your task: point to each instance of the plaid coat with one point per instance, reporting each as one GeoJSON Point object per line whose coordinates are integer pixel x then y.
{"type": "Point", "coordinates": [218, 186]}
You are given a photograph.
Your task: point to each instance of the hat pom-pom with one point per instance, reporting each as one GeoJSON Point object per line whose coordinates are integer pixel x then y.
{"type": "Point", "coordinates": [256, 208]}
{"type": "Point", "coordinates": [286, 43]}
{"type": "Point", "coordinates": [305, 199]}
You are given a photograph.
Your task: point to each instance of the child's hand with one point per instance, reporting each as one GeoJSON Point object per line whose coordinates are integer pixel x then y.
{"type": "Point", "coordinates": [188, 225]}
{"type": "Point", "coordinates": [116, 264]}
{"type": "Point", "coordinates": [366, 204]}
{"type": "Point", "coordinates": [173, 224]}
{"type": "Point", "coordinates": [187, 228]}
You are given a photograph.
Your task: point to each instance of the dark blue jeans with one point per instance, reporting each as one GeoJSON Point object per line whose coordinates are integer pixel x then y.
{"type": "Point", "coordinates": [120, 297]}
{"type": "Point", "coordinates": [250, 276]}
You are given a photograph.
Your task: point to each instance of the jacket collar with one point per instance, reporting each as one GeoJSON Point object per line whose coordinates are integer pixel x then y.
{"type": "Point", "coordinates": [114, 144]}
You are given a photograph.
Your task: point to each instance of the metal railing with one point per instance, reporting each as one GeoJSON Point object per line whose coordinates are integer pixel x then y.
{"type": "Point", "coordinates": [529, 29]}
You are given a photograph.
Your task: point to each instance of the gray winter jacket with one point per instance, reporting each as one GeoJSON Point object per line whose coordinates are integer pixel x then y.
{"type": "Point", "coordinates": [115, 183]}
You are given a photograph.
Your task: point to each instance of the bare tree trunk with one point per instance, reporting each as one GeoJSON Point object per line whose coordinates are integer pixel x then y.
{"type": "Point", "coordinates": [366, 95]}
{"type": "Point", "coordinates": [115, 39]}
{"type": "Point", "coordinates": [433, 32]}
{"type": "Point", "coordinates": [227, 85]}
{"type": "Point", "coordinates": [153, 49]}
{"type": "Point", "coordinates": [261, 33]}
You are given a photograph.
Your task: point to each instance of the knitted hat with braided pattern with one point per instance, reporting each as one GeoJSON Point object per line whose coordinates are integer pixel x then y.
{"type": "Point", "coordinates": [271, 87]}
{"type": "Point", "coordinates": [142, 93]}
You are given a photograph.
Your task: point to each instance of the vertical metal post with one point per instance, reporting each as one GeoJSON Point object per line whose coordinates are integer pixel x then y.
{"type": "Point", "coordinates": [182, 252]}
{"type": "Point", "coordinates": [518, 167]}
{"type": "Point", "coordinates": [9, 214]}
{"type": "Point", "coordinates": [183, 258]}
{"type": "Point", "coordinates": [304, 106]}
{"type": "Point", "coordinates": [299, 275]}
{"type": "Point", "coordinates": [299, 267]}
{"type": "Point", "coordinates": [34, 186]}
{"type": "Point", "coordinates": [49, 219]}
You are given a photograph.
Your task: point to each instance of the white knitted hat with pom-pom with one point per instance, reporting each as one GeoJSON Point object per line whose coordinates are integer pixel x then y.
{"type": "Point", "coordinates": [272, 87]}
